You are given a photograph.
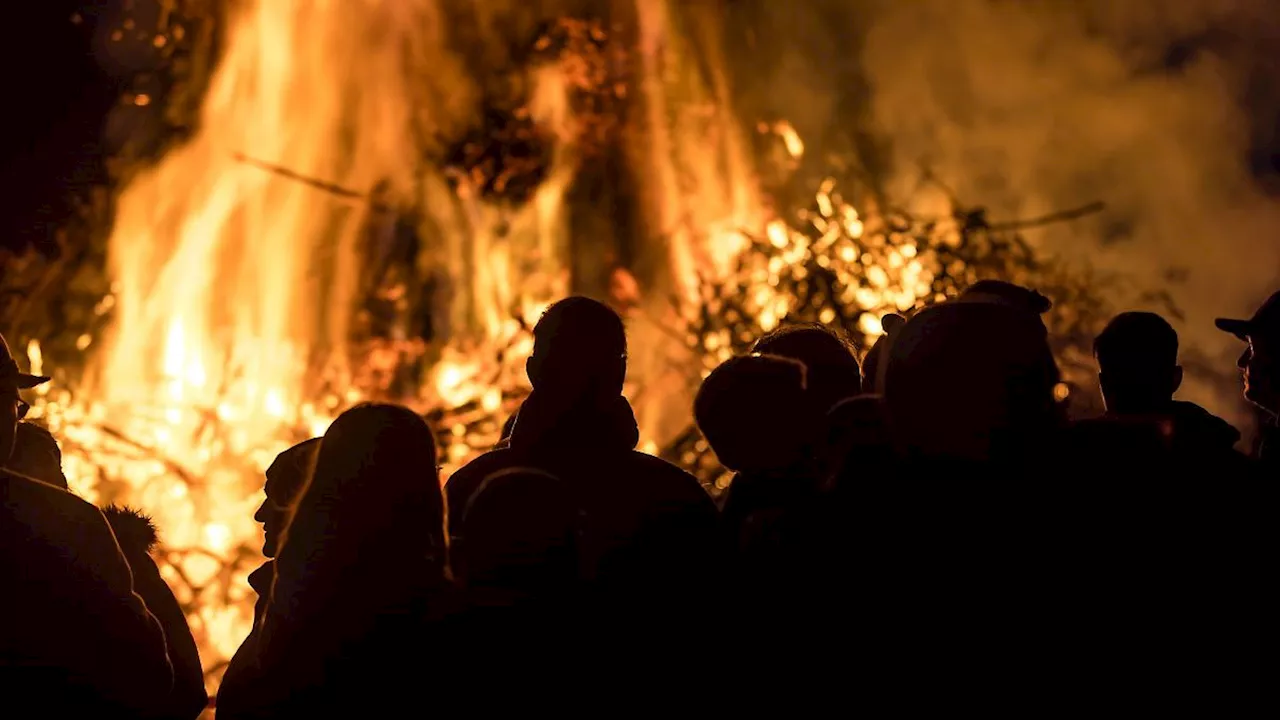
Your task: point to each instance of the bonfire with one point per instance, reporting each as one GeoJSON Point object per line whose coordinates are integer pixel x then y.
{"type": "Point", "coordinates": [351, 219]}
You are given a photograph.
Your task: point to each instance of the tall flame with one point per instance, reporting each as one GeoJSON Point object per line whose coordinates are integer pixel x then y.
{"type": "Point", "coordinates": [234, 285]}
{"type": "Point", "coordinates": [234, 282]}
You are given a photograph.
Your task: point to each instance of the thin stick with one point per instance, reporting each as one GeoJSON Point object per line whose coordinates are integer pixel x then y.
{"type": "Point", "coordinates": [322, 185]}
{"type": "Point", "coordinates": [155, 454]}
{"type": "Point", "coordinates": [1062, 216]}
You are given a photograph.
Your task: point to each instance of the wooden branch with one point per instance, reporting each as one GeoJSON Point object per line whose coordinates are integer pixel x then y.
{"type": "Point", "coordinates": [332, 188]}
{"type": "Point", "coordinates": [1057, 217]}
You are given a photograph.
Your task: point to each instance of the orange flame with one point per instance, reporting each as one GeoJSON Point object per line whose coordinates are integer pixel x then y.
{"type": "Point", "coordinates": [233, 286]}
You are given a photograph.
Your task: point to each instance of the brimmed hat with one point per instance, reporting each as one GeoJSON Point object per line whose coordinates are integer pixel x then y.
{"type": "Point", "coordinates": [1266, 321]}
{"type": "Point", "coordinates": [11, 375]}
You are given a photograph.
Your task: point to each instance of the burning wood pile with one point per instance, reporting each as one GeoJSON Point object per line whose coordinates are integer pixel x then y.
{"type": "Point", "coordinates": [208, 356]}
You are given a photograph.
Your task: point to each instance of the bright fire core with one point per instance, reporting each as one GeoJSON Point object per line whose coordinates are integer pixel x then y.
{"type": "Point", "coordinates": [233, 286]}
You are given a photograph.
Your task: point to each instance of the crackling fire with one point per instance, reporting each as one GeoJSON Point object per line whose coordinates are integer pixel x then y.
{"type": "Point", "coordinates": [235, 287]}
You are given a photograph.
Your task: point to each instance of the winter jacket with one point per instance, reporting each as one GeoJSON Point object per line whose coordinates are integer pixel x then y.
{"type": "Point", "coordinates": [137, 536]}
{"type": "Point", "coordinates": [76, 639]}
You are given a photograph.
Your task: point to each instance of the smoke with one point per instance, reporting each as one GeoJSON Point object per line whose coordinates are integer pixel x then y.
{"type": "Point", "coordinates": [1160, 109]}
{"type": "Point", "coordinates": [1153, 107]}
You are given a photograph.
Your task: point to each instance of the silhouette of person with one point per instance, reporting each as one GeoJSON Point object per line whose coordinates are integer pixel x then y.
{"type": "Point", "coordinates": [873, 363]}
{"type": "Point", "coordinates": [138, 539]}
{"type": "Point", "coordinates": [524, 524]}
{"type": "Point", "coordinates": [1002, 292]}
{"type": "Point", "coordinates": [651, 536]}
{"type": "Point", "coordinates": [832, 367]}
{"type": "Point", "coordinates": [36, 454]}
{"type": "Point", "coordinates": [286, 477]}
{"type": "Point", "coordinates": [1239, 528]}
{"type": "Point", "coordinates": [1260, 365]}
{"type": "Point", "coordinates": [1137, 355]}
{"type": "Point", "coordinates": [361, 584]}
{"type": "Point", "coordinates": [972, 382]}
{"type": "Point", "coordinates": [517, 560]}
{"type": "Point", "coordinates": [755, 413]}
{"type": "Point", "coordinates": [76, 639]}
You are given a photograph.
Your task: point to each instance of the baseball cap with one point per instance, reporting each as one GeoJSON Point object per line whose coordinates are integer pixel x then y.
{"type": "Point", "coordinates": [1266, 321]}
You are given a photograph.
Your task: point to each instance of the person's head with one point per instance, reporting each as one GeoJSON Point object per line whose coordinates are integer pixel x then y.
{"type": "Point", "coordinates": [833, 372]}
{"type": "Point", "coordinates": [755, 413]}
{"type": "Point", "coordinates": [873, 363]}
{"type": "Point", "coordinates": [518, 537]}
{"type": "Point", "coordinates": [1137, 354]}
{"type": "Point", "coordinates": [1260, 362]}
{"type": "Point", "coordinates": [36, 454]}
{"type": "Point", "coordinates": [858, 439]}
{"type": "Point", "coordinates": [12, 406]}
{"type": "Point", "coordinates": [579, 349]}
{"type": "Point", "coordinates": [1006, 293]}
{"type": "Point", "coordinates": [285, 479]}
{"type": "Point", "coordinates": [375, 495]}
{"type": "Point", "coordinates": [973, 381]}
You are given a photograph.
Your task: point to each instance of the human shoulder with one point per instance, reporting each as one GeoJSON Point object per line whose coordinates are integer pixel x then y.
{"type": "Point", "coordinates": [52, 517]}
{"type": "Point", "coordinates": [464, 483]}
{"type": "Point", "coordinates": [475, 471]}
{"type": "Point", "coordinates": [34, 500]}
{"type": "Point", "coordinates": [673, 479]}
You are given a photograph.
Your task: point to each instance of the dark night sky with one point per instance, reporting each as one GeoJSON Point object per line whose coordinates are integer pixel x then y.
{"type": "Point", "coordinates": [58, 97]}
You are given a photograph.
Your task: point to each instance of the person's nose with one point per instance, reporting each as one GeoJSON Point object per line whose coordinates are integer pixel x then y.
{"type": "Point", "coordinates": [1242, 362]}
{"type": "Point", "coordinates": [263, 511]}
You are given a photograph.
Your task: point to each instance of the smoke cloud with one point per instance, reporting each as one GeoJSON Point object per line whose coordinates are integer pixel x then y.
{"type": "Point", "coordinates": [1160, 109]}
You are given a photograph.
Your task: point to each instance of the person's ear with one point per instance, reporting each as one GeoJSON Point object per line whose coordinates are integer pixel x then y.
{"type": "Point", "coordinates": [533, 368]}
{"type": "Point", "coordinates": [1176, 378]}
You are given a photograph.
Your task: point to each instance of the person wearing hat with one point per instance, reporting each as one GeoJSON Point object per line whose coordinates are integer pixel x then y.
{"type": "Point", "coordinates": [1259, 361]}
{"type": "Point", "coordinates": [1260, 366]}
{"type": "Point", "coordinates": [12, 406]}
{"type": "Point", "coordinates": [76, 638]}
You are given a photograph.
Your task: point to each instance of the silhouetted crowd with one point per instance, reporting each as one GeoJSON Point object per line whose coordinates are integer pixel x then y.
{"type": "Point", "coordinates": [922, 531]}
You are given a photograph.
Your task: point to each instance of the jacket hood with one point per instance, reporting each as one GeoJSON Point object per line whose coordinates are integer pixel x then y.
{"type": "Point", "coordinates": [549, 423]}
{"type": "Point", "coordinates": [134, 530]}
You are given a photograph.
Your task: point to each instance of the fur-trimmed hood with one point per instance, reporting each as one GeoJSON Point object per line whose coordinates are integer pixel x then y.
{"type": "Point", "coordinates": [134, 530]}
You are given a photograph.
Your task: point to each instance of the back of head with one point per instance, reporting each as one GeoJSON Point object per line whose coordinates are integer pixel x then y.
{"type": "Point", "coordinates": [1001, 292]}
{"type": "Point", "coordinates": [518, 534]}
{"type": "Point", "coordinates": [579, 347]}
{"type": "Point", "coordinates": [374, 498]}
{"type": "Point", "coordinates": [833, 372]}
{"type": "Point", "coordinates": [858, 436]}
{"type": "Point", "coordinates": [1137, 356]}
{"type": "Point", "coordinates": [755, 413]}
{"type": "Point", "coordinates": [36, 455]}
{"type": "Point", "coordinates": [971, 380]}
{"type": "Point", "coordinates": [873, 363]}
